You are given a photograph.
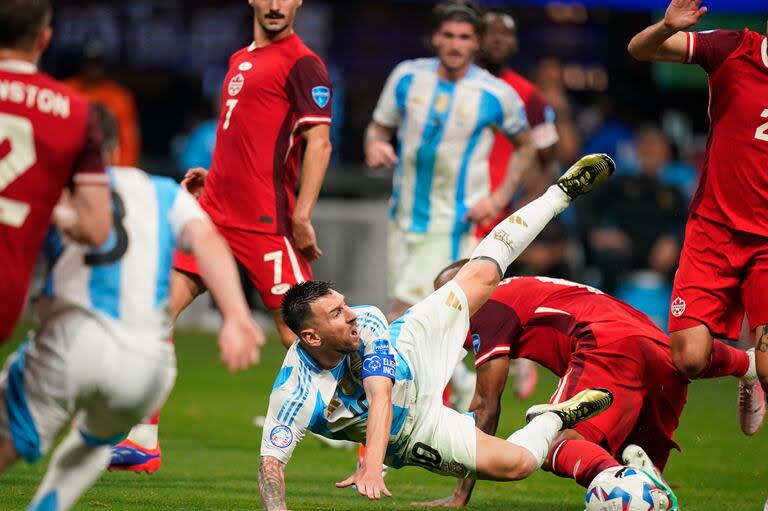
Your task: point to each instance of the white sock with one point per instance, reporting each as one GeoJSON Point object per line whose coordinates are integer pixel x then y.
{"type": "Point", "coordinates": [537, 436]}
{"type": "Point", "coordinates": [144, 435]}
{"type": "Point", "coordinates": [74, 467]}
{"type": "Point", "coordinates": [513, 235]}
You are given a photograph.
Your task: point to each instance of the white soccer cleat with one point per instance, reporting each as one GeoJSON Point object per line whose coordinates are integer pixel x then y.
{"type": "Point", "coordinates": [751, 399]}
{"type": "Point", "coordinates": [635, 456]}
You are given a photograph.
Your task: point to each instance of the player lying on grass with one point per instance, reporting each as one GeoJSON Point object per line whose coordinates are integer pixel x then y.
{"type": "Point", "coordinates": [587, 338]}
{"type": "Point", "coordinates": [351, 376]}
{"type": "Point", "coordinates": [101, 354]}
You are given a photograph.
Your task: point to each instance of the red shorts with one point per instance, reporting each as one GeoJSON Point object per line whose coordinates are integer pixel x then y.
{"type": "Point", "coordinates": [272, 262]}
{"type": "Point", "coordinates": [649, 395]}
{"type": "Point", "coordinates": [722, 274]}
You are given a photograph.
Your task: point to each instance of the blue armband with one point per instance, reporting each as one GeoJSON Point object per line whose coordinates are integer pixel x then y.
{"type": "Point", "coordinates": [379, 365]}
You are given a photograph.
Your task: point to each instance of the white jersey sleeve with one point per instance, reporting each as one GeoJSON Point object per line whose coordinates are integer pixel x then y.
{"type": "Point", "coordinates": [513, 111]}
{"type": "Point", "coordinates": [378, 355]}
{"type": "Point", "coordinates": [290, 411]}
{"type": "Point", "coordinates": [387, 112]}
{"type": "Point", "coordinates": [184, 209]}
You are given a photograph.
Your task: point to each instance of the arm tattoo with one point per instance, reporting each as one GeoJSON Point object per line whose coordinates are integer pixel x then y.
{"type": "Point", "coordinates": [762, 339]}
{"type": "Point", "coordinates": [272, 483]}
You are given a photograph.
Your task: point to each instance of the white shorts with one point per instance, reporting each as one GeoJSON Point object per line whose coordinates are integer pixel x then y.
{"type": "Point", "coordinates": [415, 259]}
{"type": "Point", "coordinates": [74, 368]}
{"type": "Point", "coordinates": [431, 338]}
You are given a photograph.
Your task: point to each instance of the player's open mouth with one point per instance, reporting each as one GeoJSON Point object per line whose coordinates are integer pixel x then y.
{"type": "Point", "coordinates": [354, 332]}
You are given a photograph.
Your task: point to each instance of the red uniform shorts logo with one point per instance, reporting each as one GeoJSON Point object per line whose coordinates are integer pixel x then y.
{"type": "Point", "coordinates": [236, 84]}
{"type": "Point", "coordinates": [678, 307]}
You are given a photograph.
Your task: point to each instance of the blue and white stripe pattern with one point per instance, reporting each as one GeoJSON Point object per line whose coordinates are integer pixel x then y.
{"type": "Point", "coordinates": [332, 403]}
{"type": "Point", "coordinates": [445, 132]}
{"type": "Point", "coordinates": [132, 289]}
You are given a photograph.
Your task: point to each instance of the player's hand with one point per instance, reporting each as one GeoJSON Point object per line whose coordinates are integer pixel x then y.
{"type": "Point", "coordinates": [194, 181]}
{"type": "Point", "coordinates": [483, 212]}
{"type": "Point", "coordinates": [369, 483]}
{"type": "Point", "coordinates": [452, 501]}
{"type": "Point", "coordinates": [305, 239]}
{"type": "Point", "coordinates": [239, 342]}
{"type": "Point", "coordinates": [379, 153]}
{"type": "Point", "coordinates": [683, 14]}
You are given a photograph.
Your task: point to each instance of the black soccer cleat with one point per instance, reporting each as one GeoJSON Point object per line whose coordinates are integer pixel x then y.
{"type": "Point", "coordinates": [584, 405]}
{"type": "Point", "coordinates": [585, 174]}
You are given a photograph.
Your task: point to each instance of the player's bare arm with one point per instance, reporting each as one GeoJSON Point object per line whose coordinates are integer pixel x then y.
{"type": "Point", "coordinates": [272, 484]}
{"type": "Point", "coordinates": [316, 157]}
{"type": "Point", "coordinates": [379, 151]}
{"type": "Point", "coordinates": [368, 479]}
{"type": "Point", "coordinates": [85, 213]}
{"type": "Point", "coordinates": [239, 337]}
{"type": "Point", "coordinates": [665, 41]}
{"type": "Point", "coordinates": [486, 405]}
{"type": "Point", "coordinates": [485, 210]}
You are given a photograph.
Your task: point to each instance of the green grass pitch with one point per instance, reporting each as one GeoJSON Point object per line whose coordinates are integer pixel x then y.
{"type": "Point", "coordinates": [211, 454]}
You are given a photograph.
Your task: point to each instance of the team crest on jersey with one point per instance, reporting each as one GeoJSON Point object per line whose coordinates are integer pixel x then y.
{"type": "Point", "coordinates": [475, 343]}
{"type": "Point", "coordinates": [678, 307]}
{"type": "Point", "coordinates": [245, 66]}
{"type": "Point", "coordinates": [236, 84]}
{"type": "Point", "coordinates": [321, 95]}
{"type": "Point", "coordinates": [281, 436]}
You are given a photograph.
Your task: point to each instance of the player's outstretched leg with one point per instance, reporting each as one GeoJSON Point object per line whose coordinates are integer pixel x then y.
{"type": "Point", "coordinates": [584, 405]}
{"type": "Point", "coordinates": [586, 174]}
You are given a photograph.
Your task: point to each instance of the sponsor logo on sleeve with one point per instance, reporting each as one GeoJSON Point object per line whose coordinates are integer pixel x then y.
{"type": "Point", "coordinates": [381, 346]}
{"type": "Point", "coordinates": [281, 436]}
{"type": "Point", "coordinates": [390, 366]}
{"type": "Point", "coordinates": [475, 343]}
{"type": "Point", "coordinates": [321, 95]}
{"type": "Point", "coordinates": [236, 84]}
{"type": "Point", "coordinates": [678, 307]}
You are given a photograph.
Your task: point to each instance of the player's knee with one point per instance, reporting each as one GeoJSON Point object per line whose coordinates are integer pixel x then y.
{"type": "Point", "coordinates": [689, 355]}
{"type": "Point", "coordinates": [519, 466]}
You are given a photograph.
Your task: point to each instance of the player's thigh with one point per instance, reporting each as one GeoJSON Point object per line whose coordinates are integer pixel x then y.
{"type": "Point", "coordinates": [621, 369]}
{"type": "Point", "coordinates": [112, 401]}
{"type": "Point", "coordinates": [708, 282]}
{"type": "Point", "coordinates": [431, 337]}
{"type": "Point", "coordinates": [444, 442]}
{"type": "Point", "coordinates": [35, 391]}
{"type": "Point", "coordinates": [272, 262]}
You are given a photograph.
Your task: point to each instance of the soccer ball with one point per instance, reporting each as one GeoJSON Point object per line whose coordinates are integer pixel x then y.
{"type": "Point", "coordinates": [625, 489]}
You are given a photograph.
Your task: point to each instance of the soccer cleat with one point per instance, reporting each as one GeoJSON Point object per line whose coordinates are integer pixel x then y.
{"type": "Point", "coordinates": [133, 458]}
{"type": "Point", "coordinates": [751, 400]}
{"type": "Point", "coordinates": [584, 405]}
{"type": "Point", "coordinates": [634, 456]}
{"type": "Point", "coordinates": [585, 174]}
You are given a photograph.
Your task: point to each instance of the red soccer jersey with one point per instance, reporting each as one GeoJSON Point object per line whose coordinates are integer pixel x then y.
{"type": "Point", "coordinates": [541, 118]}
{"type": "Point", "coordinates": [48, 139]}
{"type": "Point", "coordinates": [268, 95]}
{"type": "Point", "coordinates": [546, 320]}
{"type": "Point", "coordinates": [734, 184]}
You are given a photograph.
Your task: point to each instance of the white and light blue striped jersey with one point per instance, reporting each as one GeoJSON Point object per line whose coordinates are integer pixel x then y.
{"type": "Point", "coordinates": [445, 131]}
{"type": "Point", "coordinates": [332, 403]}
{"type": "Point", "coordinates": [125, 282]}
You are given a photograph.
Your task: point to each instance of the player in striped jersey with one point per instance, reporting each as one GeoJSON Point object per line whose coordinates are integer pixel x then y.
{"type": "Point", "coordinates": [350, 376]}
{"type": "Point", "coordinates": [101, 354]}
{"type": "Point", "coordinates": [445, 111]}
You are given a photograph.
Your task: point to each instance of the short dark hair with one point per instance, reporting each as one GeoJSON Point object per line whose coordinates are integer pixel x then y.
{"type": "Point", "coordinates": [297, 302]}
{"type": "Point", "coordinates": [21, 21]}
{"type": "Point", "coordinates": [456, 265]}
{"type": "Point", "coordinates": [108, 124]}
{"type": "Point", "coordinates": [459, 10]}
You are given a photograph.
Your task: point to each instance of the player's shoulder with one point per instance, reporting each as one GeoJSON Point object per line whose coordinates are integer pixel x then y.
{"type": "Point", "coordinates": [412, 66]}
{"type": "Point", "coordinates": [521, 84]}
{"type": "Point", "coordinates": [370, 313]}
{"type": "Point", "coordinates": [491, 84]}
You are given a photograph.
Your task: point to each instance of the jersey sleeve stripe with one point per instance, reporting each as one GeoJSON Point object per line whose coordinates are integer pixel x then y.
{"type": "Point", "coordinates": [287, 408]}
{"type": "Point", "coordinates": [310, 119]}
{"type": "Point", "coordinates": [498, 350]}
{"type": "Point", "coordinates": [690, 43]}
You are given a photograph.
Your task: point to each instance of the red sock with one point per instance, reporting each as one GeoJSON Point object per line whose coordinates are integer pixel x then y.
{"type": "Point", "coordinates": [580, 460]}
{"type": "Point", "coordinates": [725, 361]}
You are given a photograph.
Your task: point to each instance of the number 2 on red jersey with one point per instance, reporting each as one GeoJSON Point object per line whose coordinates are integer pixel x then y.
{"type": "Point", "coordinates": [17, 155]}
{"type": "Point", "coordinates": [762, 131]}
